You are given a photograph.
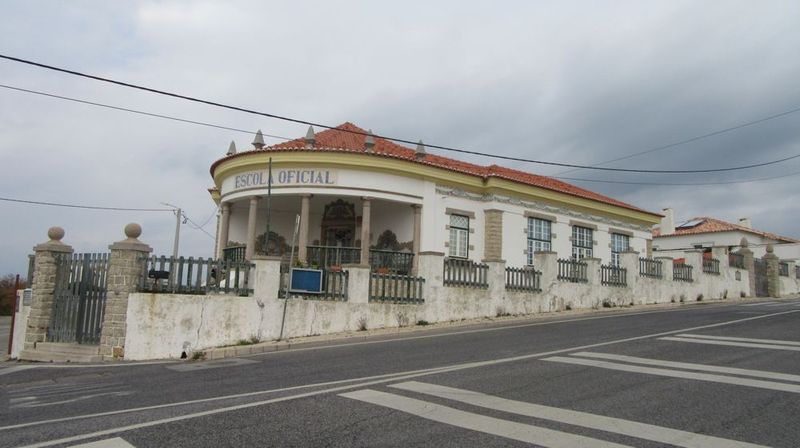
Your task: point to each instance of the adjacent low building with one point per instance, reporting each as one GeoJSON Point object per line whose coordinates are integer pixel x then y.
{"type": "Point", "coordinates": [363, 199]}
{"type": "Point", "coordinates": [704, 233]}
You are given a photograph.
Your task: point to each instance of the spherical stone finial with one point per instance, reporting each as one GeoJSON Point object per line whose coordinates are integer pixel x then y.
{"type": "Point", "coordinates": [55, 233]}
{"type": "Point", "coordinates": [744, 242]}
{"type": "Point", "coordinates": [133, 231]}
{"type": "Point", "coordinates": [770, 248]}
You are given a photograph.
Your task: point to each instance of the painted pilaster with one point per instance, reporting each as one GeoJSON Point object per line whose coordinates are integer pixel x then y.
{"type": "Point", "coordinates": [493, 235]}
{"type": "Point", "coordinates": [365, 229]}
{"type": "Point", "coordinates": [250, 250]}
{"type": "Point", "coordinates": [128, 258]}
{"type": "Point", "coordinates": [630, 261]}
{"type": "Point", "coordinates": [547, 263]}
{"type": "Point", "coordinates": [266, 276]}
{"type": "Point", "coordinates": [302, 244]}
{"type": "Point", "coordinates": [592, 271]}
{"type": "Point", "coordinates": [357, 283]}
{"type": "Point", "coordinates": [43, 288]}
{"type": "Point", "coordinates": [666, 268]}
{"type": "Point", "coordinates": [224, 227]}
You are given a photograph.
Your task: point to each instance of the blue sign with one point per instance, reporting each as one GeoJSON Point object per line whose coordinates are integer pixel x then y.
{"type": "Point", "coordinates": [305, 281]}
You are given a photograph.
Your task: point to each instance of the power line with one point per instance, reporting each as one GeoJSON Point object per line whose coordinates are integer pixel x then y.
{"type": "Point", "coordinates": [140, 112]}
{"type": "Point", "coordinates": [692, 139]}
{"type": "Point", "coordinates": [679, 184]}
{"type": "Point", "coordinates": [311, 123]}
{"type": "Point", "coordinates": [90, 207]}
{"type": "Point", "coordinates": [151, 114]}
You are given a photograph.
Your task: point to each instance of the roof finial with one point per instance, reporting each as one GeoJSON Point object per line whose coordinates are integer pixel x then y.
{"type": "Point", "coordinates": [369, 141]}
{"type": "Point", "coordinates": [258, 142]}
{"type": "Point", "coordinates": [311, 138]}
{"type": "Point", "coordinates": [420, 150]}
{"type": "Point", "coordinates": [232, 148]}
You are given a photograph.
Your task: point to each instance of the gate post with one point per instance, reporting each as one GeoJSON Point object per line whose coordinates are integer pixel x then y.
{"type": "Point", "coordinates": [773, 272]}
{"type": "Point", "coordinates": [125, 266]}
{"type": "Point", "coordinates": [749, 264]}
{"type": "Point", "coordinates": [44, 282]}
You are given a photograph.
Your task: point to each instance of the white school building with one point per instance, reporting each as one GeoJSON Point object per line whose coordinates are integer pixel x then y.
{"type": "Point", "coordinates": [366, 200]}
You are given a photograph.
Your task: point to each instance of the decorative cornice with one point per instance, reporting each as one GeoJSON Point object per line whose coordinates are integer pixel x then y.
{"type": "Point", "coordinates": [491, 197]}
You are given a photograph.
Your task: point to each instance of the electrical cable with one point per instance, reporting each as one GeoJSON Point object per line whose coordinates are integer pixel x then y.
{"type": "Point", "coordinates": [156, 115]}
{"type": "Point", "coordinates": [311, 123]}
{"type": "Point", "coordinates": [90, 207]}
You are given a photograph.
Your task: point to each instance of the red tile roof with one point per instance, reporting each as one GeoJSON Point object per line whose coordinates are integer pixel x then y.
{"type": "Point", "coordinates": [713, 225]}
{"type": "Point", "coordinates": [335, 140]}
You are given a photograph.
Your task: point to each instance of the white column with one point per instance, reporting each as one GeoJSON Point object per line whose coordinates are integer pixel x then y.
{"type": "Point", "coordinates": [302, 244]}
{"type": "Point", "coordinates": [224, 227]}
{"type": "Point", "coordinates": [251, 229]}
{"type": "Point", "coordinates": [365, 230]}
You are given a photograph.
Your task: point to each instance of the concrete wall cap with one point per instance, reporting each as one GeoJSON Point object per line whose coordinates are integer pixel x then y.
{"type": "Point", "coordinates": [53, 246]}
{"type": "Point", "coordinates": [432, 252]}
{"type": "Point", "coordinates": [131, 245]}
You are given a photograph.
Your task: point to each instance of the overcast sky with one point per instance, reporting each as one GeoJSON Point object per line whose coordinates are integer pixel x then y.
{"type": "Point", "coordinates": [575, 82]}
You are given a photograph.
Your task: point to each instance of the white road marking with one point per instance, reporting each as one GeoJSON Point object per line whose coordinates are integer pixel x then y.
{"type": "Point", "coordinates": [116, 442]}
{"type": "Point", "coordinates": [372, 380]}
{"type": "Point", "coordinates": [783, 387]}
{"type": "Point", "coordinates": [194, 366]}
{"type": "Point", "coordinates": [691, 366]}
{"type": "Point", "coordinates": [759, 304]}
{"type": "Point", "coordinates": [476, 422]}
{"type": "Point", "coordinates": [71, 400]}
{"type": "Point", "coordinates": [732, 344]}
{"type": "Point", "coordinates": [645, 431]}
{"type": "Point", "coordinates": [729, 338]}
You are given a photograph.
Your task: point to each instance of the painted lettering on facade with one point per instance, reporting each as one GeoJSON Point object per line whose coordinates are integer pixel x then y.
{"type": "Point", "coordinates": [286, 177]}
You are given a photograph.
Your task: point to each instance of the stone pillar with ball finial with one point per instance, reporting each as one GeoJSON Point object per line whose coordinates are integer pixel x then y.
{"type": "Point", "coordinates": [125, 268]}
{"type": "Point", "coordinates": [43, 288]}
{"type": "Point", "coordinates": [773, 272]}
{"type": "Point", "coordinates": [749, 264]}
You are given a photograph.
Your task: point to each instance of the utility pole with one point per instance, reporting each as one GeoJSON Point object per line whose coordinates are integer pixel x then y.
{"type": "Point", "coordinates": [178, 215]}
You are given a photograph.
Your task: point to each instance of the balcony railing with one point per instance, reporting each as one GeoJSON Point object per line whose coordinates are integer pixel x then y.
{"type": "Point", "coordinates": [234, 253]}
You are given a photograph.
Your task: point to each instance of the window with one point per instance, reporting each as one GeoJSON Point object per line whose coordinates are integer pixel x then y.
{"type": "Point", "coordinates": [619, 243]}
{"type": "Point", "coordinates": [459, 236]}
{"type": "Point", "coordinates": [582, 242]}
{"type": "Point", "coordinates": [538, 237]}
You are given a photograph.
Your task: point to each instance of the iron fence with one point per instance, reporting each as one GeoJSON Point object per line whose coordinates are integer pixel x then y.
{"type": "Point", "coordinates": [393, 288]}
{"type": "Point", "coordinates": [327, 256]}
{"type": "Point", "coordinates": [334, 286]}
{"type": "Point", "coordinates": [234, 253]}
{"type": "Point", "coordinates": [783, 269]}
{"type": "Point", "coordinates": [458, 272]}
{"type": "Point", "coordinates": [711, 266]}
{"type": "Point", "coordinates": [195, 276]}
{"type": "Point", "coordinates": [392, 262]}
{"type": "Point", "coordinates": [611, 275]}
{"type": "Point", "coordinates": [650, 268]}
{"type": "Point", "coordinates": [572, 270]}
{"type": "Point", "coordinates": [681, 272]}
{"type": "Point", "coordinates": [523, 279]}
{"type": "Point", "coordinates": [736, 261]}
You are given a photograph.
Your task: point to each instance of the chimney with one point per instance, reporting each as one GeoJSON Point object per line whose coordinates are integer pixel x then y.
{"type": "Point", "coordinates": [745, 222]}
{"type": "Point", "coordinates": [232, 148]}
{"type": "Point", "coordinates": [420, 151]}
{"type": "Point", "coordinates": [667, 222]}
{"type": "Point", "coordinates": [311, 138]}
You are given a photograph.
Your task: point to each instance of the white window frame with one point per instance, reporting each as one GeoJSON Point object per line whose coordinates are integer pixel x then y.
{"type": "Point", "coordinates": [459, 237]}
{"type": "Point", "coordinates": [619, 243]}
{"type": "Point", "coordinates": [540, 236]}
{"type": "Point", "coordinates": [582, 242]}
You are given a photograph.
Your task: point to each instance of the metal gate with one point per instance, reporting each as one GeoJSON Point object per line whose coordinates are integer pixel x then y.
{"type": "Point", "coordinates": [760, 267]}
{"type": "Point", "coordinates": [80, 298]}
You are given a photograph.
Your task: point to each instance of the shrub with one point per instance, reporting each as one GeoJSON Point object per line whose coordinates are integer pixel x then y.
{"type": "Point", "coordinates": [699, 297]}
{"type": "Point", "coordinates": [422, 322]}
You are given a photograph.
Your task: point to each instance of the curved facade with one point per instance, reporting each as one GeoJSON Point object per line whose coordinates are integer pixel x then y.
{"type": "Point", "coordinates": [363, 199]}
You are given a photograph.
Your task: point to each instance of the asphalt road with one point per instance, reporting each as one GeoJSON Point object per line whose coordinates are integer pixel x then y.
{"type": "Point", "coordinates": [715, 375]}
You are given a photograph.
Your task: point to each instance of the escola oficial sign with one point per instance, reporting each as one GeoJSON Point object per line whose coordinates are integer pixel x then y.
{"type": "Point", "coordinates": [286, 177]}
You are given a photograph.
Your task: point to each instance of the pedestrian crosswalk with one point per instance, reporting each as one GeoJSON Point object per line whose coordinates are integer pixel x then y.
{"type": "Point", "coordinates": [772, 344]}
{"type": "Point", "coordinates": [527, 432]}
{"type": "Point", "coordinates": [700, 372]}
{"type": "Point", "coordinates": [55, 394]}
